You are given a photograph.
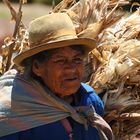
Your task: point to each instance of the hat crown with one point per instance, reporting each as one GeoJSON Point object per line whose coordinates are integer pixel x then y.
{"type": "Point", "coordinates": [47, 26]}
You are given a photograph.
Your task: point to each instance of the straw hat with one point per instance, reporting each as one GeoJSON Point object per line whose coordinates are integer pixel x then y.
{"type": "Point", "coordinates": [52, 31]}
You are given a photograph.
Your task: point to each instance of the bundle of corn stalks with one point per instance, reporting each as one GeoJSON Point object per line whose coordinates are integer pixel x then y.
{"type": "Point", "coordinates": [118, 75]}
{"type": "Point", "coordinates": [15, 44]}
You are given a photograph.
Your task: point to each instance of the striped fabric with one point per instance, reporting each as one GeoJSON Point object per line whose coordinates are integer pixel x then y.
{"type": "Point", "coordinates": [25, 104]}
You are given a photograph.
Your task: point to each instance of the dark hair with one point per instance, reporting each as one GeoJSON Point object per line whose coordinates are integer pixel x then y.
{"type": "Point", "coordinates": [27, 63]}
{"type": "Point", "coordinates": [41, 56]}
{"type": "Point", "coordinates": [79, 48]}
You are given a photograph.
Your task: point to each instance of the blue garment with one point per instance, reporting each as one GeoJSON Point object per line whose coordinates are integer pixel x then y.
{"type": "Point", "coordinates": [56, 131]}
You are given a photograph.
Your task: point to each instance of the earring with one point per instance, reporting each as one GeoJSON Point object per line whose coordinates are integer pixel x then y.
{"type": "Point", "coordinates": [38, 74]}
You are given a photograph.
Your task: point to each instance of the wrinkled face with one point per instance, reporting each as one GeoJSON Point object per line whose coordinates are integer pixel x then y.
{"type": "Point", "coordinates": [63, 72]}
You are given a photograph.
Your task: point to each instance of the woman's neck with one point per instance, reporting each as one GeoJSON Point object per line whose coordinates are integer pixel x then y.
{"type": "Point", "coordinates": [69, 99]}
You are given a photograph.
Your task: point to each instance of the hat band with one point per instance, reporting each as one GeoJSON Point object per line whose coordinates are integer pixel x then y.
{"type": "Point", "coordinates": [53, 36]}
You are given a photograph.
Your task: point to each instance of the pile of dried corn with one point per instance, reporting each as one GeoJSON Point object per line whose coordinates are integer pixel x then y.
{"type": "Point", "coordinates": [118, 75]}
{"type": "Point", "coordinates": [15, 44]}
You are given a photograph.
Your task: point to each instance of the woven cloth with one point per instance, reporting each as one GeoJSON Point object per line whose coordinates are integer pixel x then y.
{"type": "Point", "coordinates": [26, 104]}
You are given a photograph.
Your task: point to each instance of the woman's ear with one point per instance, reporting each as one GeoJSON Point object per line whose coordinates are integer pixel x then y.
{"type": "Point", "coordinates": [36, 68]}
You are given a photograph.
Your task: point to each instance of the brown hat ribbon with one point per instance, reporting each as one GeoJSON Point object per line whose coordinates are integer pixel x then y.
{"type": "Point", "coordinates": [51, 37]}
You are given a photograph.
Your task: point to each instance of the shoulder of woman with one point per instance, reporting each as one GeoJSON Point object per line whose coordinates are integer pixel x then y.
{"type": "Point", "coordinates": [93, 98]}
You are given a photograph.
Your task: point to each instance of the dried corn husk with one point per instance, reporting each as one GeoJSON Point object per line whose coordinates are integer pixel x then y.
{"type": "Point", "coordinates": [89, 16]}
{"type": "Point", "coordinates": [118, 75]}
{"type": "Point", "coordinates": [125, 29]}
{"type": "Point", "coordinates": [64, 4]}
{"type": "Point", "coordinates": [19, 41]}
{"type": "Point", "coordinates": [121, 63]}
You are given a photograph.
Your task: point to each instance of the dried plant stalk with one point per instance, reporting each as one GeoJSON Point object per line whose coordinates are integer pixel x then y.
{"type": "Point", "coordinates": [14, 44]}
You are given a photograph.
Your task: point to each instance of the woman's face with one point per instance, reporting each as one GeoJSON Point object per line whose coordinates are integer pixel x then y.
{"type": "Point", "coordinates": [63, 72]}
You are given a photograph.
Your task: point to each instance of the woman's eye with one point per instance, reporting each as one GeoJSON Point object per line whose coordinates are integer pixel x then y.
{"type": "Point", "coordinates": [61, 61]}
{"type": "Point", "coordinates": [78, 60]}
{"type": "Point", "coordinates": [66, 61]}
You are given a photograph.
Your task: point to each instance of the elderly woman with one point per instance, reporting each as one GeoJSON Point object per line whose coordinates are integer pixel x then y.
{"type": "Point", "coordinates": [47, 101]}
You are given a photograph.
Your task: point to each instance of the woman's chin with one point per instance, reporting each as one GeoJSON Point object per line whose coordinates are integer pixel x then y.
{"type": "Point", "coordinates": [69, 91]}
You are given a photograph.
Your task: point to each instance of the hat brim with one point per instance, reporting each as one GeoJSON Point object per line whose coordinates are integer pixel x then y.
{"type": "Point", "coordinates": [89, 45]}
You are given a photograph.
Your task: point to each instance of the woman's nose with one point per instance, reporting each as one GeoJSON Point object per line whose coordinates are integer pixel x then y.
{"type": "Point", "coordinates": [70, 65]}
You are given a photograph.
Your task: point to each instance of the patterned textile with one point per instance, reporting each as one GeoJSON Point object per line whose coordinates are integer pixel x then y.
{"type": "Point", "coordinates": [25, 104]}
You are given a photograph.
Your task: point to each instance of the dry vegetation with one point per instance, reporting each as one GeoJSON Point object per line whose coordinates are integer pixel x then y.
{"type": "Point", "coordinates": [113, 66]}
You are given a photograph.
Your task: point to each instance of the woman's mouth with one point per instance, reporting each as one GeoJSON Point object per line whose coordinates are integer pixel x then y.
{"type": "Point", "coordinates": [71, 79]}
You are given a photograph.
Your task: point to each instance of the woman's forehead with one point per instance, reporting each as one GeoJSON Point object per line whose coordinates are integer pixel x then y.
{"type": "Point", "coordinates": [66, 51]}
